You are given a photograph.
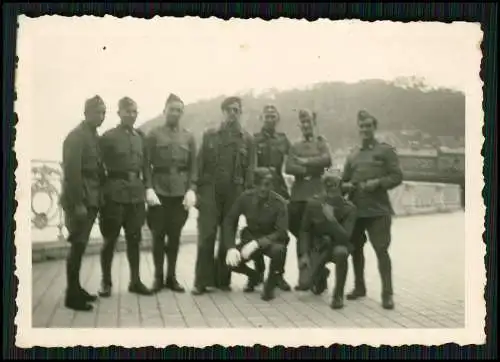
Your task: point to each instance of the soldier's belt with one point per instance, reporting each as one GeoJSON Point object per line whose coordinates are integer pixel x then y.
{"type": "Point", "coordinates": [172, 169]}
{"type": "Point", "coordinates": [124, 175]}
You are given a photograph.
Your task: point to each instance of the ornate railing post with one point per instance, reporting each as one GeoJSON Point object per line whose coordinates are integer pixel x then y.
{"type": "Point", "coordinates": [46, 183]}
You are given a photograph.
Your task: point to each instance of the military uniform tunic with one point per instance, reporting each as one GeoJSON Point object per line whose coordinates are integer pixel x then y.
{"type": "Point", "coordinates": [272, 148]}
{"type": "Point", "coordinates": [267, 223]}
{"type": "Point", "coordinates": [173, 160]}
{"type": "Point", "coordinates": [326, 238]}
{"type": "Point", "coordinates": [82, 168]}
{"type": "Point", "coordinates": [307, 182]}
{"type": "Point", "coordinates": [83, 173]}
{"type": "Point", "coordinates": [127, 175]}
{"type": "Point", "coordinates": [373, 161]}
{"type": "Point", "coordinates": [308, 177]}
{"type": "Point", "coordinates": [226, 161]}
{"type": "Point", "coordinates": [315, 224]}
{"type": "Point", "coordinates": [376, 160]}
{"type": "Point", "coordinates": [172, 153]}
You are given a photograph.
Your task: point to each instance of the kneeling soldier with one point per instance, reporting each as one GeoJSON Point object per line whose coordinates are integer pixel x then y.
{"type": "Point", "coordinates": [265, 233]}
{"type": "Point", "coordinates": [325, 235]}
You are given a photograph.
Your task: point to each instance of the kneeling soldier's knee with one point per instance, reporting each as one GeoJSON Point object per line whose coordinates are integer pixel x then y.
{"type": "Point", "coordinates": [340, 253]}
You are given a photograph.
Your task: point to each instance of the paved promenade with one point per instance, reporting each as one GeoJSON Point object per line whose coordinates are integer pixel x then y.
{"type": "Point", "coordinates": [428, 266]}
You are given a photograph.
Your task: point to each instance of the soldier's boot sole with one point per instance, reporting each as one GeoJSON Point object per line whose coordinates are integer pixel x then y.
{"type": "Point", "coordinates": [87, 296]}
{"type": "Point", "coordinates": [174, 286]}
{"type": "Point", "coordinates": [78, 305]}
{"type": "Point", "coordinates": [199, 291]}
{"type": "Point", "coordinates": [388, 302]}
{"type": "Point", "coordinates": [322, 284]}
{"type": "Point", "coordinates": [105, 291]}
{"type": "Point", "coordinates": [140, 289]}
{"type": "Point", "coordinates": [283, 285]}
{"type": "Point", "coordinates": [158, 286]}
{"type": "Point", "coordinates": [337, 303]}
{"type": "Point", "coordinates": [356, 294]}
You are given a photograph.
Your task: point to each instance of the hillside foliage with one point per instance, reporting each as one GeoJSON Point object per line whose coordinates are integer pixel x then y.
{"type": "Point", "coordinates": [408, 112]}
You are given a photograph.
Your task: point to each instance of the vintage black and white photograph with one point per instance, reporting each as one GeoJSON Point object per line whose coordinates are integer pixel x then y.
{"type": "Point", "coordinates": [285, 182]}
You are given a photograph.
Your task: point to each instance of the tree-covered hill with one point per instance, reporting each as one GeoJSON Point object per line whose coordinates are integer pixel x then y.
{"type": "Point", "coordinates": [407, 110]}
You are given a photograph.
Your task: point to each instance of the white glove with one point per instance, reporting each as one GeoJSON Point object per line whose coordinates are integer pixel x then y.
{"type": "Point", "coordinates": [249, 249]}
{"type": "Point", "coordinates": [151, 198]}
{"type": "Point", "coordinates": [233, 257]}
{"type": "Point", "coordinates": [189, 199]}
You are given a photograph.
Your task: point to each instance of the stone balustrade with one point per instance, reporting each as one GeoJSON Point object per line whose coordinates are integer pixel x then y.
{"type": "Point", "coordinates": [47, 218]}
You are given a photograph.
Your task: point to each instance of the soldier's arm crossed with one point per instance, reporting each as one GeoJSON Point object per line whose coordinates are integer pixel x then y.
{"type": "Point", "coordinates": [292, 165]}
{"type": "Point", "coordinates": [322, 161]}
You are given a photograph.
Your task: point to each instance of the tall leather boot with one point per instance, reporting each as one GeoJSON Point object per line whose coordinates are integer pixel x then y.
{"type": "Point", "coordinates": [172, 251]}
{"type": "Point", "coordinates": [74, 298]}
{"type": "Point", "coordinates": [159, 261]}
{"type": "Point", "coordinates": [107, 253]}
{"type": "Point", "coordinates": [340, 278]}
{"type": "Point", "coordinates": [358, 261]}
{"type": "Point", "coordinates": [135, 286]}
{"type": "Point", "coordinates": [385, 269]}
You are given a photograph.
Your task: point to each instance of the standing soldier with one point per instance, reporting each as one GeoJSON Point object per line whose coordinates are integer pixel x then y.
{"type": "Point", "coordinates": [307, 161]}
{"type": "Point", "coordinates": [83, 172]}
{"type": "Point", "coordinates": [325, 236]}
{"type": "Point", "coordinates": [370, 171]}
{"type": "Point", "coordinates": [125, 159]}
{"type": "Point", "coordinates": [266, 232]}
{"type": "Point", "coordinates": [173, 159]}
{"type": "Point", "coordinates": [272, 147]}
{"type": "Point", "coordinates": [226, 163]}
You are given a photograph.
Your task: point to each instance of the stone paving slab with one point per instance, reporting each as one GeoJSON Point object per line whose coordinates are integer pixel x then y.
{"type": "Point", "coordinates": [428, 265]}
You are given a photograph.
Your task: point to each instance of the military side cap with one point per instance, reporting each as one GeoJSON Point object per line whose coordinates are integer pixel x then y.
{"type": "Point", "coordinates": [126, 102]}
{"type": "Point", "coordinates": [331, 179]}
{"type": "Point", "coordinates": [173, 98]}
{"type": "Point", "coordinates": [230, 100]}
{"type": "Point", "coordinates": [262, 173]}
{"type": "Point", "coordinates": [93, 103]}
{"type": "Point", "coordinates": [362, 115]}
{"type": "Point", "coordinates": [305, 112]}
{"type": "Point", "coordinates": [269, 108]}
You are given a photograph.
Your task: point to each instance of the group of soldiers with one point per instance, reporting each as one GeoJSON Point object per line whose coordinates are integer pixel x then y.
{"type": "Point", "coordinates": [127, 178]}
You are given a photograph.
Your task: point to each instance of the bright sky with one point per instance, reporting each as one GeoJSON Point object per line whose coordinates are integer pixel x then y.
{"type": "Point", "coordinates": [63, 61]}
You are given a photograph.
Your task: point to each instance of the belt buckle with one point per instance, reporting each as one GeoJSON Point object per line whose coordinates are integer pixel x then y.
{"type": "Point", "coordinates": [307, 178]}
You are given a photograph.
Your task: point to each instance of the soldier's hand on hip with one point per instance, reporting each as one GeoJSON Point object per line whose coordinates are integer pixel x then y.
{"type": "Point", "coordinates": [80, 211]}
{"type": "Point", "coordinates": [233, 257]}
{"type": "Point", "coordinates": [151, 198]}
{"type": "Point", "coordinates": [249, 249]}
{"type": "Point", "coordinates": [189, 200]}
